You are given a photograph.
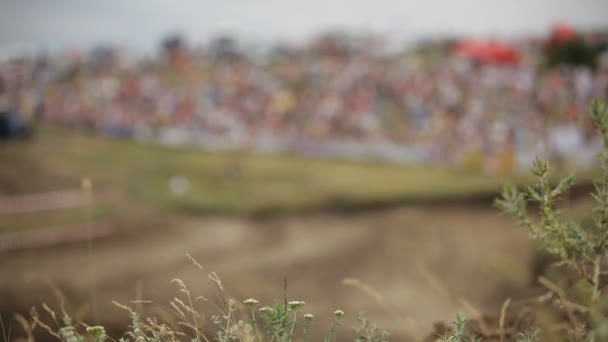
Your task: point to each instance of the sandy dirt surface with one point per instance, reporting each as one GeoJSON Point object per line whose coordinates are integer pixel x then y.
{"type": "Point", "coordinates": [421, 262]}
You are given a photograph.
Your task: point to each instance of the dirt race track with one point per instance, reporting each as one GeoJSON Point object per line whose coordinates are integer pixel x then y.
{"type": "Point", "coordinates": [421, 262]}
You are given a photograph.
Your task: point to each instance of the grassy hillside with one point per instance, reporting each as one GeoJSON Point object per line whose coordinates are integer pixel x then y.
{"type": "Point", "coordinates": [132, 179]}
{"type": "Point", "coordinates": [56, 159]}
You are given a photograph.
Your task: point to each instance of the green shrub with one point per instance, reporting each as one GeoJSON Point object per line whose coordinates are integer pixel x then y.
{"type": "Point", "coordinates": [573, 52]}
{"type": "Point", "coordinates": [581, 247]}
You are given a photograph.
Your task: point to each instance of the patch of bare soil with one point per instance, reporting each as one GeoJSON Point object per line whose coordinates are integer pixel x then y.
{"type": "Point", "coordinates": [408, 267]}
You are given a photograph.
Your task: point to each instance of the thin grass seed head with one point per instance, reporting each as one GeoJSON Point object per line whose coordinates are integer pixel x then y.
{"type": "Point", "coordinates": [86, 185]}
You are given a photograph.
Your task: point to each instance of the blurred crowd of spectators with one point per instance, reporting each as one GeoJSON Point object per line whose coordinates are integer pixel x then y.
{"type": "Point", "coordinates": [327, 99]}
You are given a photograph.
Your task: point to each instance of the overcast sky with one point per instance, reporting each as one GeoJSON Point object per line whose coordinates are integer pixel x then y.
{"type": "Point", "coordinates": [53, 24]}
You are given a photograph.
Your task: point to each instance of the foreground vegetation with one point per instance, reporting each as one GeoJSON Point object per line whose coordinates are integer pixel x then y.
{"type": "Point", "coordinates": [581, 247]}
{"type": "Point", "coordinates": [246, 320]}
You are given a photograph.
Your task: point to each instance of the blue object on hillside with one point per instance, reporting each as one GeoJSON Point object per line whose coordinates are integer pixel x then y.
{"type": "Point", "coordinates": [11, 125]}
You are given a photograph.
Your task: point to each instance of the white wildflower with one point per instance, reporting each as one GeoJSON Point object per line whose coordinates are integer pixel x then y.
{"type": "Point", "coordinates": [339, 313]}
{"type": "Point", "coordinates": [295, 304]}
{"type": "Point", "coordinates": [309, 316]}
{"type": "Point", "coordinates": [251, 302]}
{"type": "Point", "coordinates": [266, 310]}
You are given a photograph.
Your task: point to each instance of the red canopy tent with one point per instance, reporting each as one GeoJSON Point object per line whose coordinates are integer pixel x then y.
{"type": "Point", "coordinates": [563, 32]}
{"type": "Point", "coordinates": [488, 51]}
